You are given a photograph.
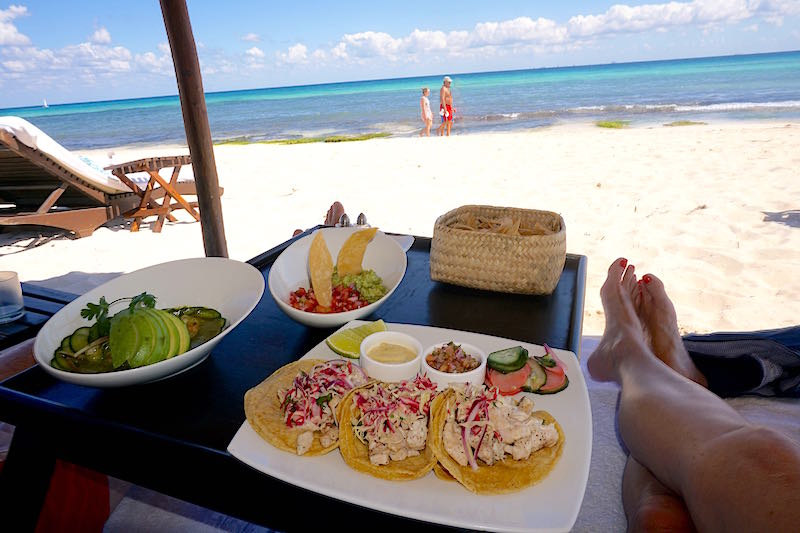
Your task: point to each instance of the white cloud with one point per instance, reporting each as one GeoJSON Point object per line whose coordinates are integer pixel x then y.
{"type": "Point", "coordinates": [255, 52]}
{"type": "Point", "coordinates": [101, 36]}
{"type": "Point", "coordinates": [525, 35]}
{"type": "Point", "coordinates": [251, 37]}
{"type": "Point", "coordinates": [9, 34]}
{"type": "Point", "coordinates": [297, 53]}
{"type": "Point", "coordinates": [519, 30]}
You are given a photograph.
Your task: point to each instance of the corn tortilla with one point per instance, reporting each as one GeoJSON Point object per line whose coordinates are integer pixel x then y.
{"type": "Point", "coordinates": [352, 252]}
{"type": "Point", "coordinates": [356, 454]}
{"type": "Point", "coordinates": [502, 477]}
{"type": "Point", "coordinates": [320, 268]}
{"type": "Point", "coordinates": [263, 409]}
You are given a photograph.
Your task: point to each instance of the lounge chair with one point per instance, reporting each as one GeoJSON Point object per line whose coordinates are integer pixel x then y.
{"type": "Point", "coordinates": [50, 186]}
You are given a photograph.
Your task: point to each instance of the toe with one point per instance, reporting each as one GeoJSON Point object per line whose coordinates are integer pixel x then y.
{"type": "Point", "coordinates": [629, 278]}
{"type": "Point", "coordinates": [653, 287]}
{"type": "Point", "coordinates": [617, 268]}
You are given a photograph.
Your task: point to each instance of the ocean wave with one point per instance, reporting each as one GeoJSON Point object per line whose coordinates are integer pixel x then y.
{"type": "Point", "coordinates": [786, 105]}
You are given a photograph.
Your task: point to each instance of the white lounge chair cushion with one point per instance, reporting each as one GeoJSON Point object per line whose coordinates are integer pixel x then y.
{"type": "Point", "coordinates": [33, 137]}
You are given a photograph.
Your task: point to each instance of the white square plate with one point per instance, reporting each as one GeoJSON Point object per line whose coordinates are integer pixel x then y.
{"type": "Point", "coordinates": [551, 505]}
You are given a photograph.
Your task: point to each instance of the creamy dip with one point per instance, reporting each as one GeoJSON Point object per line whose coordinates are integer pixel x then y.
{"type": "Point", "coordinates": [390, 353]}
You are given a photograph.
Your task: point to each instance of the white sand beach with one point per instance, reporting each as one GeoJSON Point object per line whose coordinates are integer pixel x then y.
{"type": "Point", "coordinates": [712, 209]}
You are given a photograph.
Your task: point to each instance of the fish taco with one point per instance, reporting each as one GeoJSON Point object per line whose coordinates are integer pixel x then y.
{"type": "Point", "coordinates": [295, 408]}
{"type": "Point", "coordinates": [384, 429]}
{"type": "Point", "coordinates": [493, 444]}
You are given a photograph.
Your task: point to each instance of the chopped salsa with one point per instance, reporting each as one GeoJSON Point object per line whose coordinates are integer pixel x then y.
{"type": "Point", "coordinates": [451, 358]}
{"type": "Point", "coordinates": [349, 292]}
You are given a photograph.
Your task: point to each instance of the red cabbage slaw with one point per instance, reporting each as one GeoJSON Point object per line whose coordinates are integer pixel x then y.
{"type": "Point", "coordinates": [306, 401]}
{"type": "Point", "coordinates": [384, 406]}
{"type": "Point", "coordinates": [476, 419]}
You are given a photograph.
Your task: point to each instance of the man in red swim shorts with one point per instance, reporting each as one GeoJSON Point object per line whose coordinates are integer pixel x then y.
{"type": "Point", "coordinates": [446, 108]}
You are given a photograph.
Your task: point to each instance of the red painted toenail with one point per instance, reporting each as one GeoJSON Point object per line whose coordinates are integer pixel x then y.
{"type": "Point", "coordinates": [623, 262]}
{"type": "Point", "coordinates": [647, 278]}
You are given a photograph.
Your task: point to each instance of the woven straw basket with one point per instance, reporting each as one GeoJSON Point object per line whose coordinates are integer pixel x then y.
{"type": "Point", "coordinates": [529, 264]}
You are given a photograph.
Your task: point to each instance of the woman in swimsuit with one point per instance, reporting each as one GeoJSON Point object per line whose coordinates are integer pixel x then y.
{"type": "Point", "coordinates": [427, 115]}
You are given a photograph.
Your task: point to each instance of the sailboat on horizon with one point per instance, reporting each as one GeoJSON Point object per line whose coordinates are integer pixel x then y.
{"type": "Point", "coordinates": [44, 103]}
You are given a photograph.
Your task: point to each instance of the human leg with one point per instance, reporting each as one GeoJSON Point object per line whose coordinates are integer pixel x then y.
{"type": "Point", "coordinates": [731, 474]}
{"type": "Point", "coordinates": [649, 505]}
{"type": "Point", "coordinates": [335, 212]}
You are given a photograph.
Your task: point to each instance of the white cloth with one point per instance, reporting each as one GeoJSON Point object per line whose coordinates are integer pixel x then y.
{"type": "Point", "coordinates": [33, 137]}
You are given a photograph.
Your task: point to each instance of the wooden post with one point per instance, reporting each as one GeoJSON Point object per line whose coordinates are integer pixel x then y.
{"type": "Point", "coordinates": [195, 122]}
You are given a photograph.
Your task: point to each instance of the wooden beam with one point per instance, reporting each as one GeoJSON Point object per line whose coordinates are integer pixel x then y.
{"type": "Point", "coordinates": [195, 122]}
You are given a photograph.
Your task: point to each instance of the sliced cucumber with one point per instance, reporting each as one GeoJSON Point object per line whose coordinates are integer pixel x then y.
{"type": "Point", "coordinates": [555, 384]}
{"type": "Point", "coordinates": [537, 378]}
{"type": "Point", "coordinates": [508, 360]}
{"type": "Point", "coordinates": [65, 345]}
{"type": "Point", "coordinates": [80, 339]}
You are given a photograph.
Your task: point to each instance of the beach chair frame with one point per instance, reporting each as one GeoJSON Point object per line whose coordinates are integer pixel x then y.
{"type": "Point", "coordinates": [46, 193]}
{"type": "Point", "coordinates": [35, 183]}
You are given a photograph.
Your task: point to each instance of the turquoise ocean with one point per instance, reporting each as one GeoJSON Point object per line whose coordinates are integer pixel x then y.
{"type": "Point", "coordinates": [744, 87]}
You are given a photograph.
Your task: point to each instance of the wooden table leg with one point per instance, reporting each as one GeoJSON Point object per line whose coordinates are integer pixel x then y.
{"type": "Point", "coordinates": [180, 199]}
{"type": "Point", "coordinates": [25, 479]}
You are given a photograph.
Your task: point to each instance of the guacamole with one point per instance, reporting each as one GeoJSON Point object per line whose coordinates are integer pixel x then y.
{"type": "Point", "coordinates": [367, 283]}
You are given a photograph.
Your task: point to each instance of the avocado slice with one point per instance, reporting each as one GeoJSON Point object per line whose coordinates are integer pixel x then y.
{"type": "Point", "coordinates": [161, 348]}
{"type": "Point", "coordinates": [147, 338]}
{"type": "Point", "coordinates": [183, 334]}
{"type": "Point", "coordinates": [123, 338]}
{"type": "Point", "coordinates": [173, 335]}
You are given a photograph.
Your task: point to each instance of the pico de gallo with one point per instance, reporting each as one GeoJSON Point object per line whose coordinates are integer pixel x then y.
{"type": "Point", "coordinates": [349, 292]}
{"type": "Point", "coordinates": [393, 421]}
{"type": "Point", "coordinates": [310, 402]}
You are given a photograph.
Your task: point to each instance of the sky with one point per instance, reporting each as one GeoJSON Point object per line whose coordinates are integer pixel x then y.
{"type": "Point", "coordinates": [113, 49]}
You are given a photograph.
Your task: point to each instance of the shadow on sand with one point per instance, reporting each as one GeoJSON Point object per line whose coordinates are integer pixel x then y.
{"type": "Point", "coordinates": [789, 218]}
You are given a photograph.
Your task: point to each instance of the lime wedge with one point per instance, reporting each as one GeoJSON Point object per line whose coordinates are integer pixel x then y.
{"type": "Point", "coordinates": [347, 341]}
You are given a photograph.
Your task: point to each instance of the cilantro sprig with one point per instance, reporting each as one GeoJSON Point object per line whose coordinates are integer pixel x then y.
{"type": "Point", "coordinates": [100, 310]}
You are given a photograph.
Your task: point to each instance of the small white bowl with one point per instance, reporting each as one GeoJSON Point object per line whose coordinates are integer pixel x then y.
{"type": "Point", "coordinates": [390, 372]}
{"type": "Point", "coordinates": [290, 272]}
{"type": "Point", "coordinates": [443, 380]}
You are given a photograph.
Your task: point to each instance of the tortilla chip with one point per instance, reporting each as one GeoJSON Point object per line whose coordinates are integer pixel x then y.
{"type": "Point", "coordinates": [352, 252]}
{"type": "Point", "coordinates": [502, 477]}
{"type": "Point", "coordinates": [263, 409]}
{"type": "Point", "coordinates": [356, 454]}
{"type": "Point", "coordinates": [320, 267]}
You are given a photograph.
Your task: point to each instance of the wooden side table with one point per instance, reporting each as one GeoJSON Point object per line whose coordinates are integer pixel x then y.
{"type": "Point", "coordinates": [156, 187]}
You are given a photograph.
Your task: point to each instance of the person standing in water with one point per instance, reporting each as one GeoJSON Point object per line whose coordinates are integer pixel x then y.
{"type": "Point", "coordinates": [427, 114]}
{"type": "Point", "coordinates": [446, 108]}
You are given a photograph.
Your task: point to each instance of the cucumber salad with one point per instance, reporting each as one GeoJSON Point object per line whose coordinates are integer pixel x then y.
{"type": "Point", "coordinates": [511, 370]}
{"type": "Point", "coordinates": [135, 336]}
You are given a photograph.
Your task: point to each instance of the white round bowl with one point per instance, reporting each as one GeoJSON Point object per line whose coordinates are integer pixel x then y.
{"type": "Point", "coordinates": [290, 272]}
{"type": "Point", "coordinates": [443, 380]}
{"type": "Point", "coordinates": [390, 372]}
{"type": "Point", "coordinates": [231, 287]}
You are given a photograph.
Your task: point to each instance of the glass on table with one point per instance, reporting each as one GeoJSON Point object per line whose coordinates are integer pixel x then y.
{"type": "Point", "coordinates": [11, 304]}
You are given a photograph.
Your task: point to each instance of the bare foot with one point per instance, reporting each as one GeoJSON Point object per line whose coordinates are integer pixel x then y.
{"type": "Point", "coordinates": [649, 505]}
{"type": "Point", "coordinates": [334, 214]}
{"type": "Point", "coordinates": [660, 324]}
{"type": "Point", "coordinates": [623, 335]}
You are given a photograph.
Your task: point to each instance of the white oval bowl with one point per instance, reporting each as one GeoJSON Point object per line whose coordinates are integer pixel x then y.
{"type": "Point", "coordinates": [290, 272]}
{"type": "Point", "coordinates": [443, 380]}
{"type": "Point", "coordinates": [231, 287]}
{"type": "Point", "coordinates": [390, 372]}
